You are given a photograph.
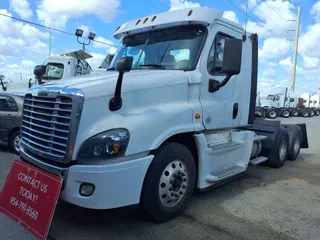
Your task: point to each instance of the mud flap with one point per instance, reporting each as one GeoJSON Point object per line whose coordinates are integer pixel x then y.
{"type": "Point", "coordinates": [304, 141]}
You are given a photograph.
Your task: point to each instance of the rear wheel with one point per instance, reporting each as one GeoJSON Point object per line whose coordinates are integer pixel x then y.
{"type": "Point", "coordinates": [295, 137]}
{"type": "Point", "coordinates": [305, 113]}
{"type": "Point", "coordinates": [271, 113]}
{"type": "Point", "coordinates": [285, 113]}
{"type": "Point", "coordinates": [278, 155]}
{"type": "Point", "coordinates": [14, 142]}
{"type": "Point", "coordinates": [169, 182]}
{"type": "Point", "coordinates": [260, 113]}
{"type": "Point", "coordinates": [295, 113]}
{"type": "Point", "coordinates": [311, 113]}
{"type": "Point", "coordinates": [317, 112]}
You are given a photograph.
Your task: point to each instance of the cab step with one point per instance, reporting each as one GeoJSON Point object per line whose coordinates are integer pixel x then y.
{"type": "Point", "coordinates": [223, 145]}
{"type": "Point", "coordinates": [258, 160]}
{"type": "Point", "coordinates": [225, 173]}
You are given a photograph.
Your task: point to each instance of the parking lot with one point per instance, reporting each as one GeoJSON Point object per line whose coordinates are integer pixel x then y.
{"type": "Point", "coordinates": [263, 203]}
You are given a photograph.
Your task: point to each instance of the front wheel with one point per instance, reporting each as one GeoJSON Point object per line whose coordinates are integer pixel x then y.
{"type": "Point", "coordinates": [14, 142]}
{"type": "Point", "coordinates": [169, 182]}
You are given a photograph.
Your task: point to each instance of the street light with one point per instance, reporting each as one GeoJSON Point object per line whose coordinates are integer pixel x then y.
{"type": "Point", "coordinates": [91, 36]}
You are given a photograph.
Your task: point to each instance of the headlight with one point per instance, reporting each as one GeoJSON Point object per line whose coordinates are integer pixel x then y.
{"type": "Point", "coordinates": [109, 144]}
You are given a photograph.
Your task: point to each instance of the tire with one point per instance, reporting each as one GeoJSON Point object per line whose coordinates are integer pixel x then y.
{"type": "Point", "coordinates": [14, 142]}
{"type": "Point", "coordinates": [278, 155]}
{"type": "Point", "coordinates": [260, 113]}
{"type": "Point", "coordinates": [285, 113]}
{"type": "Point", "coordinates": [304, 113]}
{"type": "Point", "coordinates": [172, 171]}
{"type": "Point", "coordinates": [295, 138]}
{"type": "Point", "coordinates": [272, 114]}
{"type": "Point", "coordinates": [317, 112]}
{"type": "Point", "coordinates": [295, 113]}
{"type": "Point", "coordinates": [311, 113]}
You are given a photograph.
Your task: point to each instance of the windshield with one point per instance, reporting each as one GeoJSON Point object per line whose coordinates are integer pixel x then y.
{"type": "Point", "coordinates": [54, 71]}
{"type": "Point", "coordinates": [174, 48]}
{"type": "Point", "coordinates": [270, 97]}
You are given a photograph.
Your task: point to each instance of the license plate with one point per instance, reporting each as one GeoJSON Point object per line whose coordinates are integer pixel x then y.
{"type": "Point", "coordinates": [29, 196]}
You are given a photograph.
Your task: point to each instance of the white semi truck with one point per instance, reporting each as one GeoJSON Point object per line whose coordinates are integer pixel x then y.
{"type": "Point", "coordinates": [310, 104]}
{"type": "Point", "coordinates": [280, 102]}
{"type": "Point", "coordinates": [66, 65]}
{"type": "Point", "coordinates": [174, 113]}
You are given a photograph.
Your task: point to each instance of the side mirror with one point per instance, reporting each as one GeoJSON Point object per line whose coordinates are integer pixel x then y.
{"type": "Point", "coordinates": [123, 65]}
{"type": "Point", "coordinates": [232, 56]}
{"type": "Point", "coordinates": [231, 59]}
{"type": "Point", "coordinates": [39, 71]}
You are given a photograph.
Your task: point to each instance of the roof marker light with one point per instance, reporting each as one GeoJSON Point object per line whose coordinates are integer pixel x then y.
{"type": "Point", "coordinates": [189, 13]}
{"type": "Point", "coordinates": [146, 19]}
{"type": "Point", "coordinates": [138, 21]}
{"type": "Point", "coordinates": [154, 17]}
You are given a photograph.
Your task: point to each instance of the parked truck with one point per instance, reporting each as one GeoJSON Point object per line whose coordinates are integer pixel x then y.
{"type": "Point", "coordinates": [280, 102]}
{"type": "Point", "coordinates": [175, 112]}
{"type": "Point", "coordinates": [310, 104]}
{"type": "Point", "coordinates": [66, 65]}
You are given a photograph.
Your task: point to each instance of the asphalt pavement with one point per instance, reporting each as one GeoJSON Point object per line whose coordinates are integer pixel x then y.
{"type": "Point", "coordinates": [263, 203]}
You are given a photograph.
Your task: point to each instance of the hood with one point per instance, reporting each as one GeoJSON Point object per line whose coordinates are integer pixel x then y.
{"type": "Point", "coordinates": [102, 84]}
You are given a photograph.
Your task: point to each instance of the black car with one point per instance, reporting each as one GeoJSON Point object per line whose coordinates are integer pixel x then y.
{"type": "Point", "coordinates": [10, 119]}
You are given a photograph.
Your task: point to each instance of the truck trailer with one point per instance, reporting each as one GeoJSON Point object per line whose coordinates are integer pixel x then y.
{"type": "Point", "coordinates": [175, 112]}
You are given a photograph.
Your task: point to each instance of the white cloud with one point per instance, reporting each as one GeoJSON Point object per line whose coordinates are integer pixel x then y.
{"type": "Point", "coordinates": [310, 62]}
{"type": "Point", "coordinates": [21, 7]}
{"type": "Point", "coordinates": [286, 62]}
{"type": "Point", "coordinates": [274, 48]}
{"type": "Point", "coordinates": [231, 16]}
{"type": "Point", "coordinates": [273, 16]}
{"type": "Point", "coordinates": [109, 48]}
{"type": "Point", "coordinates": [57, 15]}
{"type": "Point", "coordinates": [315, 11]}
{"type": "Point", "coordinates": [17, 38]}
{"type": "Point", "coordinates": [272, 64]}
{"type": "Point", "coordinates": [181, 4]}
{"type": "Point", "coordinates": [269, 72]}
{"type": "Point", "coordinates": [22, 70]}
{"type": "Point", "coordinates": [96, 60]}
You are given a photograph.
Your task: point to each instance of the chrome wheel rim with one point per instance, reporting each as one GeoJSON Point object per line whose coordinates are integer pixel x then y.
{"type": "Point", "coordinates": [16, 143]}
{"type": "Point", "coordinates": [258, 113]}
{"type": "Point", "coordinates": [173, 183]}
{"type": "Point", "coordinates": [286, 114]}
{"type": "Point", "coordinates": [295, 113]}
{"type": "Point", "coordinates": [273, 114]}
{"type": "Point", "coordinates": [305, 114]}
{"type": "Point", "coordinates": [282, 150]}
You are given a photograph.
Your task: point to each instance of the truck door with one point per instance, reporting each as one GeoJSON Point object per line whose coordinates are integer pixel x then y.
{"type": "Point", "coordinates": [8, 113]}
{"type": "Point", "coordinates": [221, 109]}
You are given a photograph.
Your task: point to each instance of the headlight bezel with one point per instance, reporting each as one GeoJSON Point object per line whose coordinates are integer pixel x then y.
{"type": "Point", "coordinates": [111, 137]}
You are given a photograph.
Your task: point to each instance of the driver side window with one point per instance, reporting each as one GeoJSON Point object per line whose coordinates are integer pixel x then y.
{"type": "Point", "coordinates": [215, 58]}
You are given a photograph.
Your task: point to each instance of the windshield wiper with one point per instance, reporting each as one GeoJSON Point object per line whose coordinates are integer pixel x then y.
{"type": "Point", "coordinates": [111, 69]}
{"type": "Point", "coordinates": [153, 65]}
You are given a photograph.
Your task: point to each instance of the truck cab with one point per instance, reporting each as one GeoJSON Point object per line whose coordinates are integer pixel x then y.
{"type": "Point", "coordinates": [175, 111]}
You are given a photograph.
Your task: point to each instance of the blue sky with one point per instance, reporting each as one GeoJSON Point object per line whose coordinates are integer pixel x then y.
{"type": "Point", "coordinates": [24, 45]}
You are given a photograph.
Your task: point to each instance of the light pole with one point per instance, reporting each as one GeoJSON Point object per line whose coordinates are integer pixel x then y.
{"type": "Point", "coordinates": [91, 36]}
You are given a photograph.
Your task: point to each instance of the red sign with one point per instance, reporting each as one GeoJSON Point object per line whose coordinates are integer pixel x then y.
{"type": "Point", "coordinates": [29, 196]}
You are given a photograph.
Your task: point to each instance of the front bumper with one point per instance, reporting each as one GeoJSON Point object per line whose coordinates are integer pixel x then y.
{"type": "Point", "coordinates": [116, 184]}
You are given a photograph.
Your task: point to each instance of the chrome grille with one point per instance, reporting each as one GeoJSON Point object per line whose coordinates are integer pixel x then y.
{"type": "Point", "coordinates": [48, 125]}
